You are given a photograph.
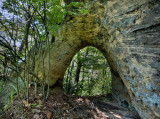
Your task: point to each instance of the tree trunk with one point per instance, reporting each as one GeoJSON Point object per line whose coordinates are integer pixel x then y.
{"type": "Point", "coordinates": [78, 69]}
{"type": "Point", "coordinates": [70, 78]}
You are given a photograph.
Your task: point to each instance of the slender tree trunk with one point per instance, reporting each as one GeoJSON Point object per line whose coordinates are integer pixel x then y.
{"type": "Point", "coordinates": [83, 75]}
{"type": "Point", "coordinates": [67, 79]}
{"type": "Point", "coordinates": [82, 78]}
{"type": "Point", "coordinates": [70, 78]}
{"type": "Point", "coordinates": [89, 92]}
{"type": "Point", "coordinates": [104, 84]}
{"type": "Point", "coordinates": [78, 69]}
{"type": "Point", "coordinates": [25, 39]}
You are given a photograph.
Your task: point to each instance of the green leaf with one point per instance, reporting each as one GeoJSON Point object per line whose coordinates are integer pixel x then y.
{"type": "Point", "coordinates": [72, 13]}
{"type": "Point", "coordinates": [83, 11]}
{"type": "Point", "coordinates": [12, 95]}
{"type": "Point", "coordinates": [75, 4]}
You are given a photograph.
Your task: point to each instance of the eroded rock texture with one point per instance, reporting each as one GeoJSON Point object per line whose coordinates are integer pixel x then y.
{"type": "Point", "coordinates": [127, 32]}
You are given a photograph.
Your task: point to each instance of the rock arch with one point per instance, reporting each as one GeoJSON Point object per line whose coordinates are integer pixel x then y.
{"type": "Point", "coordinates": [127, 33]}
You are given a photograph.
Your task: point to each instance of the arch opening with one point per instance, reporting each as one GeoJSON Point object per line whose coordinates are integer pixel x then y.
{"type": "Point", "coordinates": [88, 74]}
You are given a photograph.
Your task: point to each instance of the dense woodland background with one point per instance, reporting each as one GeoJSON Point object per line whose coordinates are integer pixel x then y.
{"type": "Point", "coordinates": [27, 27]}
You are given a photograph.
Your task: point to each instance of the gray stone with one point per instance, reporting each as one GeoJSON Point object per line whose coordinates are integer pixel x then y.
{"type": "Point", "coordinates": [36, 116]}
{"type": "Point", "coordinates": [36, 111]}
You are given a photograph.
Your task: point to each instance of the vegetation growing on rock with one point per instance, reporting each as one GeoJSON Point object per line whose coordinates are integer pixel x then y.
{"type": "Point", "coordinates": [40, 38]}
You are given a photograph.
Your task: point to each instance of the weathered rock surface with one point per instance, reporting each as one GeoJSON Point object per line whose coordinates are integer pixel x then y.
{"type": "Point", "coordinates": [8, 89]}
{"type": "Point", "coordinates": [127, 32]}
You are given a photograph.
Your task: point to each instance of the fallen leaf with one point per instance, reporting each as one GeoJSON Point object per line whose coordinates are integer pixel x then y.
{"type": "Point", "coordinates": [49, 115]}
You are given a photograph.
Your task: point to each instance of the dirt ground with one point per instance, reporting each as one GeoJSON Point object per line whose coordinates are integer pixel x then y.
{"type": "Point", "coordinates": [62, 106]}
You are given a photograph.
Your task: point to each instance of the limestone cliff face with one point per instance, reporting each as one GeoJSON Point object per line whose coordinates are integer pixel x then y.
{"type": "Point", "coordinates": [127, 32]}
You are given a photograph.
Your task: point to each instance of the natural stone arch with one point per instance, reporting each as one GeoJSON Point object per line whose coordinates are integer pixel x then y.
{"type": "Point", "coordinates": [127, 33]}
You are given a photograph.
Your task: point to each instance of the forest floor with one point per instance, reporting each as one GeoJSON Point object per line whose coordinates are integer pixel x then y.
{"type": "Point", "coordinates": [62, 106]}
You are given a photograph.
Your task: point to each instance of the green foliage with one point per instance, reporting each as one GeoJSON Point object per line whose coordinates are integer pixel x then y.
{"type": "Point", "coordinates": [13, 94]}
{"type": "Point", "coordinates": [95, 76]}
{"type": "Point", "coordinates": [83, 11]}
{"type": "Point", "coordinates": [36, 105]}
{"type": "Point", "coordinates": [26, 29]}
{"type": "Point", "coordinates": [75, 4]}
{"type": "Point", "coordinates": [76, 9]}
{"type": "Point", "coordinates": [1, 84]}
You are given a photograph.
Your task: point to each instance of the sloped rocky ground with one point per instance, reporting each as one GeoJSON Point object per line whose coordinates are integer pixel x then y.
{"type": "Point", "coordinates": [62, 106]}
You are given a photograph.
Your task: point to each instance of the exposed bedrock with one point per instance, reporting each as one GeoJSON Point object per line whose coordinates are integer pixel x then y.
{"type": "Point", "coordinates": [127, 32]}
